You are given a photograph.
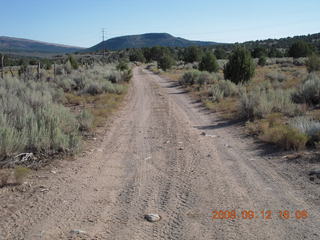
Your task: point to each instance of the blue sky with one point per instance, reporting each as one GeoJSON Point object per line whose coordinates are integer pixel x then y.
{"type": "Point", "coordinates": [79, 22]}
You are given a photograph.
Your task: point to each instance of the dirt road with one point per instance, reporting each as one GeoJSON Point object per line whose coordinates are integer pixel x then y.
{"type": "Point", "coordinates": [154, 159]}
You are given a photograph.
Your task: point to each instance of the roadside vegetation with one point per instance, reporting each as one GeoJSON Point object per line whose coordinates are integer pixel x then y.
{"type": "Point", "coordinates": [49, 112]}
{"type": "Point", "coordinates": [278, 97]}
{"type": "Point", "coordinates": [47, 106]}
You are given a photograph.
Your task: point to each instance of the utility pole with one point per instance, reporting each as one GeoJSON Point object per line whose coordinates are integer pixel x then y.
{"type": "Point", "coordinates": [54, 71]}
{"type": "Point", "coordinates": [38, 70]}
{"type": "Point", "coordinates": [103, 32]}
{"type": "Point", "coordinates": [2, 65]}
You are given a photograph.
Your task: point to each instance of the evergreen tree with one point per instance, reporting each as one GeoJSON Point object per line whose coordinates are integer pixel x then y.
{"type": "Point", "coordinates": [259, 52]}
{"type": "Point", "coordinates": [300, 49]}
{"type": "Point", "coordinates": [166, 62]}
{"type": "Point", "coordinates": [220, 53]}
{"type": "Point", "coordinates": [209, 63]}
{"type": "Point", "coordinates": [262, 61]}
{"type": "Point", "coordinates": [193, 54]}
{"type": "Point", "coordinates": [136, 55]}
{"type": "Point", "coordinates": [313, 63]}
{"type": "Point", "coordinates": [240, 67]}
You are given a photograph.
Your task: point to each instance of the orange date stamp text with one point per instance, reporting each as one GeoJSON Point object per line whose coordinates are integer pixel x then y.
{"type": "Point", "coordinates": [262, 214]}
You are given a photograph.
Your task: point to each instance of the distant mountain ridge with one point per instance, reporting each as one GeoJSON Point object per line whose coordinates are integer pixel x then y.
{"type": "Point", "coordinates": [147, 40]}
{"type": "Point", "coordinates": [286, 42]}
{"type": "Point", "coordinates": [27, 46]}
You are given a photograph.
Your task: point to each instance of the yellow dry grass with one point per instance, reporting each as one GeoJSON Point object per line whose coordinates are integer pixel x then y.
{"type": "Point", "coordinates": [100, 106]}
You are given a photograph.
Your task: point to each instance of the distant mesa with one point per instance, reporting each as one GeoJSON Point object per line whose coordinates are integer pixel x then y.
{"type": "Point", "coordinates": [147, 40]}
{"type": "Point", "coordinates": [23, 46]}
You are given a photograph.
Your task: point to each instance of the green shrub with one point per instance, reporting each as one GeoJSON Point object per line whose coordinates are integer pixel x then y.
{"type": "Point", "coordinates": [66, 84]}
{"type": "Point", "coordinates": [309, 91]}
{"type": "Point", "coordinates": [166, 62]}
{"type": "Point", "coordinates": [215, 94]}
{"type": "Point", "coordinates": [189, 78]}
{"type": "Point", "coordinates": [99, 87]}
{"type": "Point", "coordinates": [136, 55]}
{"type": "Point", "coordinates": [276, 76]}
{"type": "Point", "coordinates": [206, 78]}
{"type": "Point", "coordinates": [11, 140]}
{"type": "Point", "coordinates": [275, 53]}
{"type": "Point", "coordinates": [68, 67]}
{"type": "Point", "coordinates": [259, 52]}
{"type": "Point", "coordinates": [240, 67]}
{"type": "Point", "coordinates": [307, 126]}
{"type": "Point", "coordinates": [73, 62]}
{"type": "Point", "coordinates": [300, 49]}
{"type": "Point", "coordinates": [196, 77]}
{"type": "Point", "coordinates": [285, 137]}
{"type": "Point", "coordinates": [313, 63]}
{"type": "Point", "coordinates": [272, 129]}
{"type": "Point", "coordinates": [122, 66]}
{"type": "Point", "coordinates": [127, 75]}
{"type": "Point", "coordinates": [260, 102]}
{"type": "Point", "coordinates": [31, 120]}
{"type": "Point", "coordinates": [98, 80]}
{"type": "Point", "coordinates": [115, 77]}
{"type": "Point", "coordinates": [192, 54]}
{"type": "Point", "coordinates": [228, 88]}
{"type": "Point", "coordinates": [262, 61]}
{"type": "Point", "coordinates": [94, 88]}
{"type": "Point", "coordinates": [156, 53]}
{"type": "Point", "coordinates": [222, 89]}
{"type": "Point", "coordinates": [220, 53]}
{"type": "Point", "coordinates": [85, 120]}
{"type": "Point", "coordinates": [208, 63]}
{"type": "Point", "coordinates": [59, 70]}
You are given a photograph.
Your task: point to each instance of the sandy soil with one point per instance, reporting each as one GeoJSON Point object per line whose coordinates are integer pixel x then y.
{"type": "Point", "coordinates": [155, 158]}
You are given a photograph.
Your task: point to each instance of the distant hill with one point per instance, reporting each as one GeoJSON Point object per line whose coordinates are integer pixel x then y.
{"type": "Point", "coordinates": [147, 40]}
{"type": "Point", "coordinates": [30, 47]}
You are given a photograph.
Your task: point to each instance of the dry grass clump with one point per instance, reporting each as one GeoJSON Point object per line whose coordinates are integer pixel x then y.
{"type": "Point", "coordinates": [190, 78]}
{"type": "Point", "coordinates": [85, 120]}
{"type": "Point", "coordinates": [286, 137]}
{"type": "Point", "coordinates": [227, 109]}
{"type": "Point", "coordinates": [223, 89]}
{"type": "Point", "coordinates": [103, 106]}
{"type": "Point", "coordinates": [273, 129]}
{"type": "Point", "coordinates": [276, 76]}
{"type": "Point", "coordinates": [98, 108]}
{"type": "Point", "coordinates": [308, 126]}
{"type": "Point", "coordinates": [20, 173]}
{"type": "Point", "coordinates": [196, 77]}
{"type": "Point", "coordinates": [4, 177]}
{"type": "Point", "coordinates": [309, 91]}
{"type": "Point", "coordinates": [13, 176]}
{"type": "Point", "coordinates": [260, 102]}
